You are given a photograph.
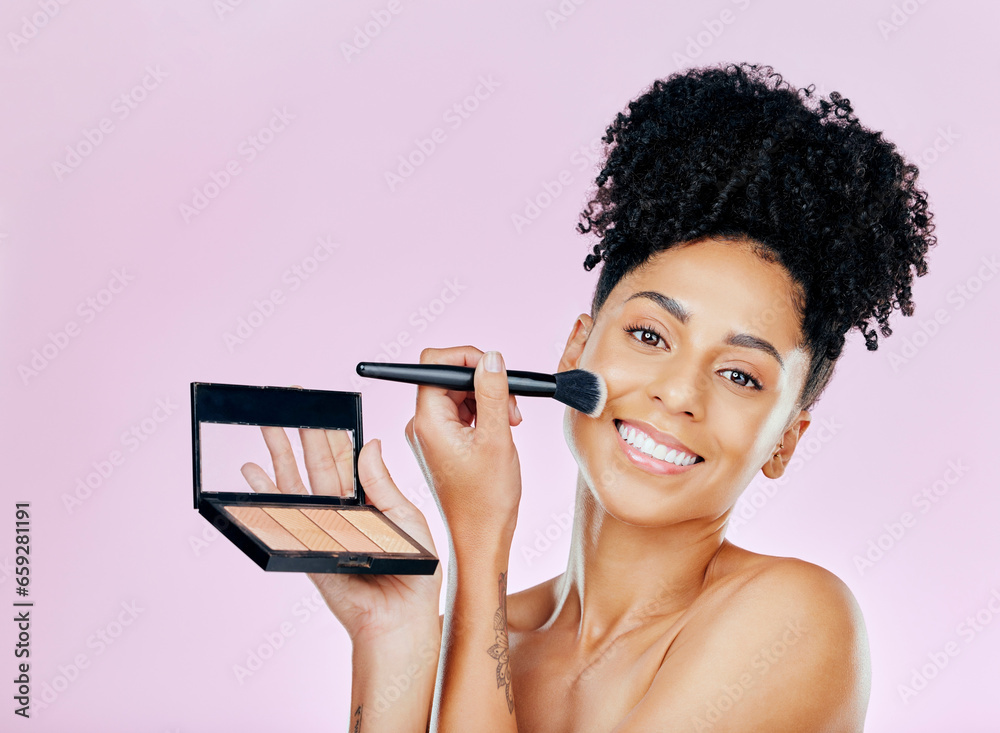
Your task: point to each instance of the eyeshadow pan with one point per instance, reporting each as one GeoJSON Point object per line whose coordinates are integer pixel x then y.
{"type": "Point", "coordinates": [380, 532]}
{"type": "Point", "coordinates": [341, 530]}
{"type": "Point", "coordinates": [304, 529]}
{"type": "Point", "coordinates": [265, 527]}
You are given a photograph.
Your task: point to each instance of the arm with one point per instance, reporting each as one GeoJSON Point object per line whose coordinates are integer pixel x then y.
{"type": "Point", "coordinates": [476, 479]}
{"type": "Point", "coordinates": [787, 654]}
{"type": "Point", "coordinates": [392, 680]}
{"type": "Point", "coordinates": [476, 678]}
{"type": "Point", "coordinates": [391, 619]}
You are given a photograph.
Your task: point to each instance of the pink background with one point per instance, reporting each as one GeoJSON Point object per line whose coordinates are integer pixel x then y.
{"type": "Point", "coordinates": [556, 75]}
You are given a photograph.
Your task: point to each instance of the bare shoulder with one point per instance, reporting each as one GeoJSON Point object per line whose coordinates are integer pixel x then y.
{"type": "Point", "coordinates": [755, 584]}
{"type": "Point", "coordinates": [775, 643]}
{"type": "Point", "coordinates": [801, 602]}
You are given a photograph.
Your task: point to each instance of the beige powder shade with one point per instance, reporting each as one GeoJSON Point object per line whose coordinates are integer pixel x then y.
{"type": "Point", "coordinates": [304, 529]}
{"type": "Point", "coordinates": [346, 533]}
{"type": "Point", "coordinates": [265, 527]}
{"type": "Point", "coordinates": [321, 529]}
{"type": "Point", "coordinates": [377, 529]}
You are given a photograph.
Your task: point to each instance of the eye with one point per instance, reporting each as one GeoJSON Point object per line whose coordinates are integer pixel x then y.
{"type": "Point", "coordinates": [742, 379]}
{"type": "Point", "coordinates": [646, 334]}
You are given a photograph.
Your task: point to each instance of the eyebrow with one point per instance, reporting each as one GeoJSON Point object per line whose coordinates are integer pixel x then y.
{"type": "Point", "coordinates": [678, 311]}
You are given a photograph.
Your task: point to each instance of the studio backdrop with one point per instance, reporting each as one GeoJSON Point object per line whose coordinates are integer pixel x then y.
{"type": "Point", "coordinates": [263, 193]}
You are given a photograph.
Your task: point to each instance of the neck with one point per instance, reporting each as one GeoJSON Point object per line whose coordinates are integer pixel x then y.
{"type": "Point", "coordinates": [620, 575]}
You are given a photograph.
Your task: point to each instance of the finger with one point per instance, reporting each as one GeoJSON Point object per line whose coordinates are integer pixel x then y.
{"type": "Point", "coordinates": [384, 495]}
{"type": "Point", "coordinates": [467, 410]}
{"type": "Point", "coordinates": [379, 487]}
{"type": "Point", "coordinates": [514, 413]}
{"type": "Point", "coordinates": [342, 447]}
{"type": "Point", "coordinates": [492, 399]}
{"type": "Point", "coordinates": [320, 466]}
{"type": "Point", "coordinates": [430, 400]}
{"type": "Point", "coordinates": [286, 473]}
{"type": "Point", "coordinates": [258, 479]}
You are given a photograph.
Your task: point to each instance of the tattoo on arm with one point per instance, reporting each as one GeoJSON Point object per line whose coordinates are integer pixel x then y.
{"type": "Point", "coordinates": [356, 720]}
{"type": "Point", "coordinates": [499, 651]}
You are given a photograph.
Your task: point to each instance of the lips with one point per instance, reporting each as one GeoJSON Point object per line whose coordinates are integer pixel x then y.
{"type": "Point", "coordinates": [658, 437]}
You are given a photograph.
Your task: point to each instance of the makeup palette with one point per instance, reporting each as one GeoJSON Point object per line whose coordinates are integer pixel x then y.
{"type": "Point", "coordinates": [247, 441]}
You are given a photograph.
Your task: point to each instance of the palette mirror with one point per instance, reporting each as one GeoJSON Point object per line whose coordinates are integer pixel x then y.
{"type": "Point", "coordinates": [258, 440]}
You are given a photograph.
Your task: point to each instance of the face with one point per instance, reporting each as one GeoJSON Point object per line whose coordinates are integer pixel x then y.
{"type": "Point", "coordinates": [698, 349]}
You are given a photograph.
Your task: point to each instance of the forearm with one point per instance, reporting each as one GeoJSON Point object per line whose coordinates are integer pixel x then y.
{"type": "Point", "coordinates": [475, 681]}
{"type": "Point", "coordinates": [392, 682]}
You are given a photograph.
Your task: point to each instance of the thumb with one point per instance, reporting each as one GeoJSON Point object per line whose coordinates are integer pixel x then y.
{"type": "Point", "coordinates": [380, 489]}
{"type": "Point", "coordinates": [492, 393]}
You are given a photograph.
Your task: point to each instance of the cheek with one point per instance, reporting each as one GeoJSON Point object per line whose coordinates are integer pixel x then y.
{"type": "Point", "coordinates": [622, 375]}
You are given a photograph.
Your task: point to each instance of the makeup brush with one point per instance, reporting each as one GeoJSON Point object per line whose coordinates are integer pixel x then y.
{"type": "Point", "coordinates": [580, 389]}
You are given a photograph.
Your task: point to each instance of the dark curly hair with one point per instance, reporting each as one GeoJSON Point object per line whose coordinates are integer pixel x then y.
{"type": "Point", "coordinates": [735, 153]}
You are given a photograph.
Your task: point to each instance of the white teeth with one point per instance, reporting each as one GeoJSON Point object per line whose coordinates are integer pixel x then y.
{"type": "Point", "coordinates": [650, 447]}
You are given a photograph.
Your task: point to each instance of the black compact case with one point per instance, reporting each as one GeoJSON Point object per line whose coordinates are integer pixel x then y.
{"type": "Point", "coordinates": [303, 532]}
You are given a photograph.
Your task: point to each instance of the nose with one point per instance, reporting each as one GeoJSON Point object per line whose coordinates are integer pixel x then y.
{"type": "Point", "coordinates": [679, 385]}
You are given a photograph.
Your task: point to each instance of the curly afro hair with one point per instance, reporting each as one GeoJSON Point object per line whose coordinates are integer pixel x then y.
{"type": "Point", "coordinates": [735, 153]}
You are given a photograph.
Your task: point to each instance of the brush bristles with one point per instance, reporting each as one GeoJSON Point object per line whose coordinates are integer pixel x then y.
{"type": "Point", "coordinates": [581, 390]}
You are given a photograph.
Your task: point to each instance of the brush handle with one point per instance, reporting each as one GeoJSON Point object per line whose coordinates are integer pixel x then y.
{"type": "Point", "coordinates": [448, 376]}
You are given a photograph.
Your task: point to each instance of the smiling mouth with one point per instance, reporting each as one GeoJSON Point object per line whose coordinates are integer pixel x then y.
{"type": "Point", "coordinates": [646, 445]}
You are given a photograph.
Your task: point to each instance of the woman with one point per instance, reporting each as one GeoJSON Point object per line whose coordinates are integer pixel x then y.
{"type": "Point", "coordinates": [744, 228]}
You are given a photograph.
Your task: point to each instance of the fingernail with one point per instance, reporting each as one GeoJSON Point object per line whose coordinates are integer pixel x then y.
{"type": "Point", "coordinates": [517, 412]}
{"type": "Point", "coordinates": [492, 361]}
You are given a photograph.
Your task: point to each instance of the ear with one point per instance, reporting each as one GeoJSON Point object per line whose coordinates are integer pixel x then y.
{"type": "Point", "coordinates": [776, 464]}
{"type": "Point", "coordinates": [582, 327]}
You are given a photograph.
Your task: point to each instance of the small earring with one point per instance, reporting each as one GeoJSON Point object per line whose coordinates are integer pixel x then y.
{"type": "Point", "coordinates": [780, 446]}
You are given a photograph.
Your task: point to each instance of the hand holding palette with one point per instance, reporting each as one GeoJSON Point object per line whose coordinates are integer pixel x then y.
{"type": "Point", "coordinates": [329, 531]}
